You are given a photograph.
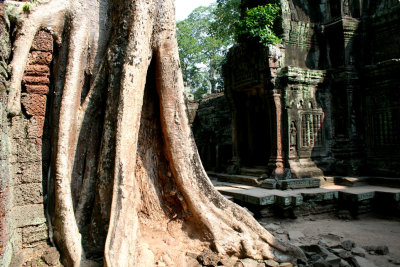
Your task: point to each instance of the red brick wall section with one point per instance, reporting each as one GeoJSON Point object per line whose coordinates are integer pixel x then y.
{"type": "Point", "coordinates": [36, 84]}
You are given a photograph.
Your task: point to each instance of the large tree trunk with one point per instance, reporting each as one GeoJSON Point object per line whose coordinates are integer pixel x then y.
{"type": "Point", "coordinates": [125, 172]}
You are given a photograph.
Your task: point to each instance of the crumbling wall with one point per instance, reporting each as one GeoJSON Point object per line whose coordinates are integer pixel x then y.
{"type": "Point", "coordinates": [212, 131]}
{"type": "Point", "coordinates": [5, 202]}
{"type": "Point", "coordinates": [24, 153]}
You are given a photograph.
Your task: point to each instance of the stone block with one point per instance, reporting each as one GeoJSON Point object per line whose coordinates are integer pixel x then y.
{"type": "Point", "coordinates": [28, 215]}
{"type": "Point", "coordinates": [37, 89]}
{"type": "Point", "coordinates": [361, 262]}
{"type": "Point", "coordinates": [37, 70]}
{"type": "Point", "coordinates": [43, 42]}
{"type": "Point", "coordinates": [29, 172]}
{"type": "Point", "coordinates": [26, 150]}
{"type": "Point", "coordinates": [297, 200]}
{"type": "Point", "coordinates": [35, 127]}
{"type": "Point", "coordinates": [300, 183]}
{"type": "Point", "coordinates": [28, 194]}
{"type": "Point", "coordinates": [40, 58]}
{"type": "Point", "coordinates": [267, 200]}
{"type": "Point", "coordinates": [34, 104]}
{"type": "Point", "coordinates": [18, 127]}
{"type": "Point", "coordinates": [52, 256]}
{"type": "Point", "coordinates": [35, 80]}
{"type": "Point", "coordinates": [283, 200]}
{"type": "Point", "coordinates": [32, 234]}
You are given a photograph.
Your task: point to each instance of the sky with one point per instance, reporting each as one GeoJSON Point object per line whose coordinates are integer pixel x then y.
{"type": "Point", "coordinates": [184, 7]}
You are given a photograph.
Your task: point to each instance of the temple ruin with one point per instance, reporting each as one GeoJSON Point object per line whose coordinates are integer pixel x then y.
{"type": "Point", "coordinates": [325, 102]}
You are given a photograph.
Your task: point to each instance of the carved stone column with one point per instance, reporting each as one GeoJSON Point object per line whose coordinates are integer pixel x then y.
{"type": "Point", "coordinates": [276, 163]}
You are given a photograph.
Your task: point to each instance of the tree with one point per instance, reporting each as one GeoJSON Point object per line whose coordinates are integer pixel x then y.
{"type": "Point", "coordinates": [227, 16]}
{"type": "Point", "coordinates": [257, 21]}
{"type": "Point", "coordinates": [201, 52]}
{"type": "Point", "coordinates": [125, 171]}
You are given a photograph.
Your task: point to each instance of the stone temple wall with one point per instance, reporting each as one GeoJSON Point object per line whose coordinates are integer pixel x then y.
{"type": "Point", "coordinates": [326, 100]}
{"type": "Point", "coordinates": [212, 131]}
{"type": "Point", "coordinates": [24, 153]}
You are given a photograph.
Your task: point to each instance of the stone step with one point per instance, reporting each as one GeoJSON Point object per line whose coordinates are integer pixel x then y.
{"type": "Point", "coordinates": [346, 197]}
{"type": "Point", "coordinates": [240, 179]}
{"type": "Point", "coordinates": [300, 183]}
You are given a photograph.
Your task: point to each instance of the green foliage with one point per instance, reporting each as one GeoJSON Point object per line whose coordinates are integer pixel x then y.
{"type": "Point", "coordinates": [226, 18]}
{"type": "Point", "coordinates": [259, 23]}
{"type": "Point", "coordinates": [27, 7]}
{"type": "Point", "coordinates": [208, 32]}
{"type": "Point", "coordinates": [201, 51]}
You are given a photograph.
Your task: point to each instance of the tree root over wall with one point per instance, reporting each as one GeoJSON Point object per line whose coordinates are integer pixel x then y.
{"type": "Point", "coordinates": [126, 179]}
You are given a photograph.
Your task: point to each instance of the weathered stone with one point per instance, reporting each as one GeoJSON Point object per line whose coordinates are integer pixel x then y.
{"type": "Point", "coordinates": [271, 263]}
{"type": "Point", "coordinates": [29, 172]}
{"type": "Point", "coordinates": [28, 215]}
{"type": "Point", "coordinates": [361, 262]}
{"type": "Point", "coordinates": [348, 244]}
{"type": "Point", "coordinates": [358, 251]}
{"type": "Point", "coordinates": [39, 57]}
{"type": "Point", "coordinates": [300, 183]}
{"type": "Point", "coordinates": [344, 263]}
{"type": "Point", "coordinates": [37, 89]}
{"type": "Point", "coordinates": [250, 263]}
{"type": "Point", "coordinates": [35, 80]}
{"type": "Point", "coordinates": [51, 256]}
{"type": "Point", "coordinates": [35, 127]}
{"type": "Point", "coordinates": [34, 104]}
{"type": "Point", "coordinates": [37, 70]}
{"type": "Point", "coordinates": [331, 240]}
{"type": "Point", "coordinates": [32, 234]}
{"type": "Point", "coordinates": [28, 194]}
{"type": "Point", "coordinates": [286, 264]}
{"type": "Point", "coordinates": [321, 263]}
{"type": "Point", "coordinates": [295, 235]}
{"type": "Point", "coordinates": [380, 250]}
{"type": "Point", "coordinates": [27, 150]}
{"type": "Point", "coordinates": [43, 42]}
{"type": "Point", "coordinates": [208, 258]}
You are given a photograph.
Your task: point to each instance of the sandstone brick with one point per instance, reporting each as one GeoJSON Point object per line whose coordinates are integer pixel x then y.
{"type": "Point", "coordinates": [30, 172]}
{"type": "Point", "coordinates": [35, 127]}
{"type": "Point", "coordinates": [28, 215]}
{"type": "Point", "coordinates": [18, 127]}
{"type": "Point", "coordinates": [37, 70]}
{"type": "Point", "coordinates": [35, 80]}
{"type": "Point", "coordinates": [26, 150]}
{"type": "Point", "coordinates": [32, 234]}
{"type": "Point", "coordinates": [28, 194]}
{"type": "Point", "coordinates": [43, 41]}
{"type": "Point", "coordinates": [39, 57]}
{"type": "Point", "coordinates": [34, 104]}
{"type": "Point", "coordinates": [37, 89]}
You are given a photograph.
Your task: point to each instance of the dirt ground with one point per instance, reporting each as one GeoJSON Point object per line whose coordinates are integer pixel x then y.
{"type": "Point", "coordinates": [367, 230]}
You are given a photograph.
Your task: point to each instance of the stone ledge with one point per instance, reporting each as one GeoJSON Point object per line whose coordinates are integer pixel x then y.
{"type": "Point", "coordinates": [28, 215]}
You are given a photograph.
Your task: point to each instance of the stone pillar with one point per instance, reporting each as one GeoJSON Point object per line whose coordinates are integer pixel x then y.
{"type": "Point", "coordinates": [276, 164]}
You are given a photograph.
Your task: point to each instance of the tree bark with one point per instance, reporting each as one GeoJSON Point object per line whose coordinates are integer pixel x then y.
{"type": "Point", "coordinates": [128, 181]}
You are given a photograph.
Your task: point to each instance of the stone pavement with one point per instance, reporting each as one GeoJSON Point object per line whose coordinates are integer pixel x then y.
{"type": "Point", "coordinates": [340, 194]}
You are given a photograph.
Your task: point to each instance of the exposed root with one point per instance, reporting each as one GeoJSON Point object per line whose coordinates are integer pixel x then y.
{"type": "Point", "coordinates": [150, 32]}
{"type": "Point", "coordinates": [51, 15]}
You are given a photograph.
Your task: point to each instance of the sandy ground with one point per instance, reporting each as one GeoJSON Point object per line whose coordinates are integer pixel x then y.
{"type": "Point", "coordinates": [365, 231]}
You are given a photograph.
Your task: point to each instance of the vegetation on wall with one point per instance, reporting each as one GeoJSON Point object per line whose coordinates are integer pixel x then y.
{"type": "Point", "coordinates": [258, 23]}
